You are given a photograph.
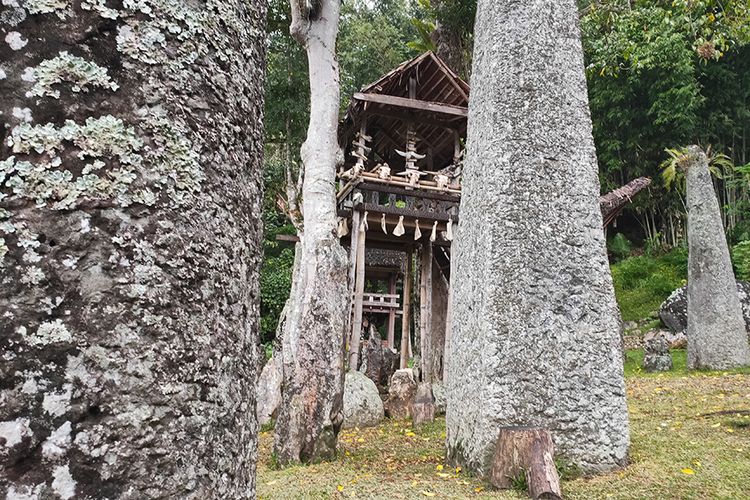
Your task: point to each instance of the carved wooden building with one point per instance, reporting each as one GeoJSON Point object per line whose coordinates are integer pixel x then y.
{"type": "Point", "coordinates": [398, 203]}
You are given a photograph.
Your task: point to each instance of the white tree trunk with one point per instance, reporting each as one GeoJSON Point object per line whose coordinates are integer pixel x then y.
{"type": "Point", "coordinates": [717, 338]}
{"type": "Point", "coordinates": [131, 143]}
{"type": "Point", "coordinates": [313, 346]}
{"type": "Point", "coordinates": [536, 330]}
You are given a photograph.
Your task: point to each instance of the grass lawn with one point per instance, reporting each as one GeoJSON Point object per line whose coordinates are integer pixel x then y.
{"type": "Point", "coordinates": [690, 438]}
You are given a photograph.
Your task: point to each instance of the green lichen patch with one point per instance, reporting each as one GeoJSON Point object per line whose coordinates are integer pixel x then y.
{"type": "Point", "coordinates": [101, 7]}
{"type": "Point", "coordinates": [81, 73]}
{"type": "Point", "coordinates": [46, 6]}
{"type": "Point", "coordinates": [105, 136]}
{"type": "Point", "coordinates": [173, 165]}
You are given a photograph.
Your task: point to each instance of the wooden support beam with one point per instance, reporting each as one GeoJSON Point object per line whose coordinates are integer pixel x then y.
{"type": "Point", "coordinates": [367, 185]}
{"type": "Point", "coordinates": [456, 123]}
{"type": "Point", "coordinates": [425, 312]}
{"type": "Point", "coordinates": [359, 289]}
{"type": "Point", "coordinates": [354, 238]}
{"type": "Point", "coordinates": [413, 104]}
{"type": "Point", "coordinates": [406, 314]}
{"type": "Point", "coordinates": [395, 181]}
{"type": "Point", "coordinates": [412, 214]}
{"type": "Point", "coordinates": [391, 314]}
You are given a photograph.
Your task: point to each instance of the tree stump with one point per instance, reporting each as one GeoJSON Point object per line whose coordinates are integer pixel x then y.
{"type": "Point", "coordinates": [527, 451]}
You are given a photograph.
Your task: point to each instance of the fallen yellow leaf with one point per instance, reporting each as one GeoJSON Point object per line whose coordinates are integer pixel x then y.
{"type": "Point", "coordinates": [428, 493]}
{"type": "Point", "coordinates": [688, 471]}
{"type": "Point", "coordinates": [478, 489]}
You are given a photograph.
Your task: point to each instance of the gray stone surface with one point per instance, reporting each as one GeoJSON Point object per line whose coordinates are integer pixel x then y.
{"type": "Point", "coordinates": [423, 407]}
{"type": "Point", "coordinates": [656, 355]}
{"type": "Point", "coordinates": [269, 390]}
{"type": "Point", "coordinates": [372, 356]}
{"type": "Point", "coordinates": [536, 329]}
{"type": "Point", "coordinates": [674, 340]}
{"type": "Point", "coordinates": [438, 391]}
{"type": "Point", "coordinates": [673, 311]}
{"type": "Point", "coordinates": [401, 393]}
{"type": "Point", "coordinates": [717, 338]}
{"type": "Point", "coordinates": [130, 245]}
{"type": "Point", "coordinates": [362, 404]}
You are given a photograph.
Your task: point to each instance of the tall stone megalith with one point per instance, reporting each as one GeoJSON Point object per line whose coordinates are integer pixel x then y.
{"type": "Point", "coordinates": [536, 330]}
{"type": "Point", "coordinates": [717, 338]}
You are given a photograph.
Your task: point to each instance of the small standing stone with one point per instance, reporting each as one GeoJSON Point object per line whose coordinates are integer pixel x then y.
{"type": "Point", "coordinates": [657, 357]}
{"type": "Point", "coordinates": [423, 408]}
{"type": "Point", "coordinates": [401, 394]}
{"type": "Point", "coordinates": [362, 404]}
{"type": "Point", "coordinates": [269, 390]}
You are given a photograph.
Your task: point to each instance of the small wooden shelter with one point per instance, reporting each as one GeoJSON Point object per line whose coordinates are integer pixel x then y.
{"type": "Point", "coordinates": [400, 190]}
{"type": "Point", "coordinates": [398, 203]}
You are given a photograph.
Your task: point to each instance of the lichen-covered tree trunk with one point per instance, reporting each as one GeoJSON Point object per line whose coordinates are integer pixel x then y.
{"type": "Point", "coordinates": [536, 330]}
{"type": "Point", "coordinates": [311, 411]}
{"type": "Point", "coordinates": [717, 338]}
{"type": "Point", "coordinates": [130, 153]}
{"type": "Point", "coordinates": [449, 43]}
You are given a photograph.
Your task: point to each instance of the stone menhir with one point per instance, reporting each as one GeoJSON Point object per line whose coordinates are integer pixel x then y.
{"type": "Point", "coordinates": [423, 407]}
{"type": "Point", "coordinates": [716, 333]}
{"type": "Point", "coordinates": [657, 357]}
{"type": "Point", "coordinates": [536, 330]}
{"type": "Point", "coordinates": [401, 394]}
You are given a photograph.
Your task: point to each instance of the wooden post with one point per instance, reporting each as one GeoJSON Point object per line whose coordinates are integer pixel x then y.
{"type": "Point", "coordinates": [392, 312]}
{"type": "Point", "coordinates": [425, 312]}
{"type": "Point", "coordinates": [354, 240]}
{"type": "Point", "coordinates": [359, 290]}
{"type": "Point", "coordinates": [530, 452]}
{"type": "Point", "coordinates": [406, 313]}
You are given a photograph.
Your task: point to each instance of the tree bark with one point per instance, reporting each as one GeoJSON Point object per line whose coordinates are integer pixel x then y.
{"type": "Point", "coordinates": [715, 326]}
{"type": "Point", "coordinates": [131, 143]}
{"type": "Point", "coordinates": [523, 451]}
{"type": "Point", "coordinates": [536, 335]}
{"type": "Point", "coordinates": [312, 395]}
{"type": "Point", "coordinates": [450, 46]}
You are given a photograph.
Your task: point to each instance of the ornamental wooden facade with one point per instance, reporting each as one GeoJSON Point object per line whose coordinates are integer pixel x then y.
{"type": "Point", "coordinates": [398, 205]}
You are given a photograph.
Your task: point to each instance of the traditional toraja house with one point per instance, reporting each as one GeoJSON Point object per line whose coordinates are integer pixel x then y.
{"type": "Point", "coordinates": [398, 203]}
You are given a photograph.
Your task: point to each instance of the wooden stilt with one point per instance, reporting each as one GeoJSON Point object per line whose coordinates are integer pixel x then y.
{"type": "Point", "coordinates": [425, 312]}
{"type": "Point", "coordinates": [406, 313]}
{"type": "Point", "coordinates": [356, 219]}
{"type": "Point", "coordinates": [392, 313]}
{"type": "Point", "coordinates": [359, 290]}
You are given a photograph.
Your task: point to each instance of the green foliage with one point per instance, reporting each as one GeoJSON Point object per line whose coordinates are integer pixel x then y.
{"type": "Point", "coordinates": [619, 246]}
{"type": "Point", "coordinates": [719, 165]}
{"type": "Point", "coordinates": [275, 284]}
{"type": "Point", "coordinates": [520, 483]}
{"type": "Point", "coordinates": [661, 73]}
{"type": "Point", "coordinates": [642, 283]}
{"type": "Point", "coordinates": [567, 469]}
{"type": "Point", "coordinates": [269, 426]}
{"type": "Point", "coordinates": [741, 260]}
